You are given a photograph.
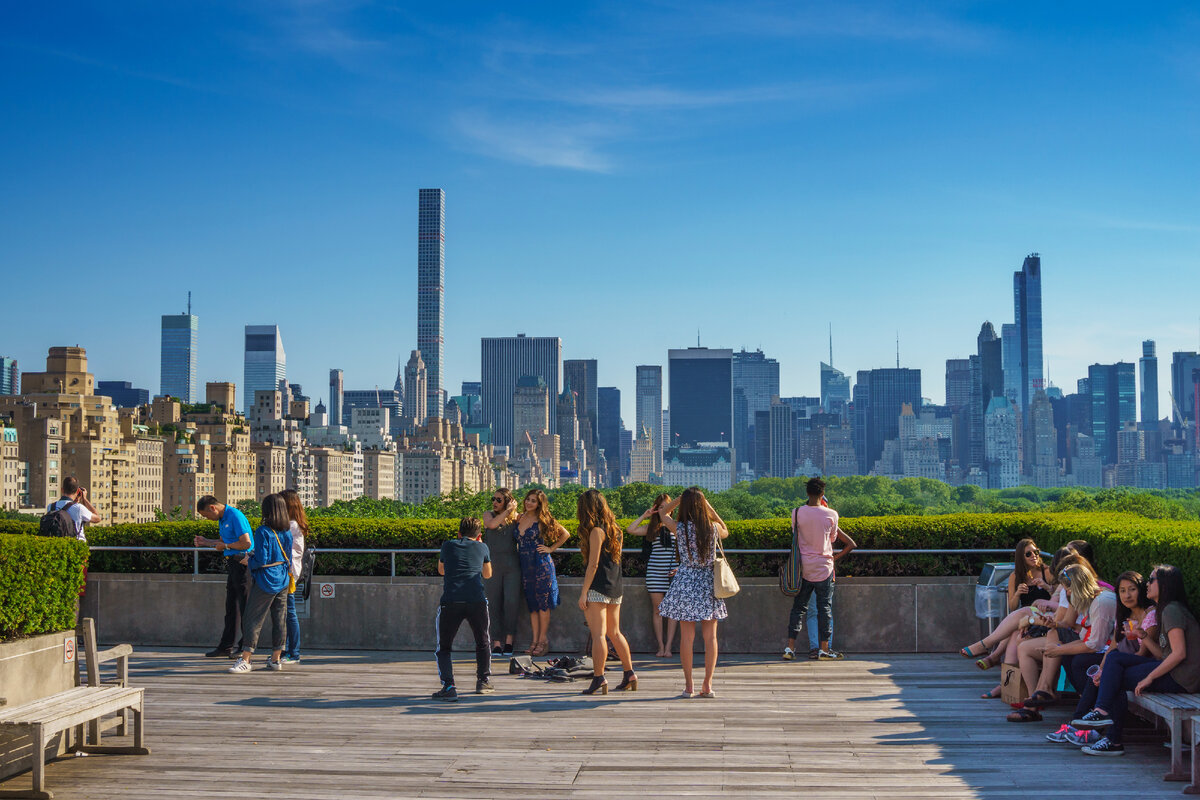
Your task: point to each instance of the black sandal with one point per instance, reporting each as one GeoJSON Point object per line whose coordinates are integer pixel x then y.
{"type": "Point", "coordinates": [1038, 700]}
{"type": "Point", "coordinates": [1024, 715]}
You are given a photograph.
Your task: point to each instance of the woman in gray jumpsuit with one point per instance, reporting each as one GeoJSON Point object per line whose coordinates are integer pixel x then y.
{"type": "Point", "coordinates": [504, 587]}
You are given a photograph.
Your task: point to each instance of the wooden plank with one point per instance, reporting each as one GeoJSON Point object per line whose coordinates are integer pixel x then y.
{"type": "Point", "coordinates": [361, 724]}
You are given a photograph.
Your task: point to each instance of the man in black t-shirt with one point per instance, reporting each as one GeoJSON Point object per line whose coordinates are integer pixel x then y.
{"type": "Point", "coordinates": [464, 562]}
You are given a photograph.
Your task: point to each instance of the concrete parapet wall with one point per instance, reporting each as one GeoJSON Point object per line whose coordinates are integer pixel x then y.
{"type": "Point", "coordinates": [871, 615]}
{"type": "Point", "coordinates": [31, 669]}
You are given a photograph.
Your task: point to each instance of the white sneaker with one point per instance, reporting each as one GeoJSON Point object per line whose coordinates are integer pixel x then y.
{"type": "Point", "coordinates": [241, 666]}
{"type": "Point", "coordinates": [274, 666]}
{"type": "Point", "coordinates": [788, 654]}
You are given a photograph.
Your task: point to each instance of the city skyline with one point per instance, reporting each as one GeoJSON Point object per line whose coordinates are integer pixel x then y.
{"type": "Point", "coordinates": [900, 162]}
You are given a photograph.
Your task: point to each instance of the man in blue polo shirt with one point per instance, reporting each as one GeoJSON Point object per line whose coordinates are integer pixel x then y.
{"type": "Point", "coordinates": [236, 543]}
{"type": "Point", "coordinates": [464, 562]}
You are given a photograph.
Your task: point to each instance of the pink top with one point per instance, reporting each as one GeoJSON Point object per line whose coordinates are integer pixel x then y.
{"type": "Point", "coordinates": [816, 528]}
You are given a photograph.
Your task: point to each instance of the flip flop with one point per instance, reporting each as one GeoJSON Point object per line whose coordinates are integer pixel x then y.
{"type": "Point", "coordinates": [1038, 700]}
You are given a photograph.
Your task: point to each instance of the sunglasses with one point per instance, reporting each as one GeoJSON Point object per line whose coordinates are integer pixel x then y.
{"type": "Point", "coordinates": [1029, 553]}
{"type": "Point", "coordinates": [497, 499]}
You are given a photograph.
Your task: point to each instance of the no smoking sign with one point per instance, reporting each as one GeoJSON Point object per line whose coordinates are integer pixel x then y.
{"type": "Point", "coordinates": [325, 590]}
{"type": "Point", "coordinates": [69, 649]}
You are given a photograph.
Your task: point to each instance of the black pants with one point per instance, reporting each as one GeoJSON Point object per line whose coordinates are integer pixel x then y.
{"type": "Point", "coordinates": [1077, 667]}
{"type": "Point", "coordinates": [235, 602]}
{"type": "Point", "coordinates": [824, 592]}
{"type": "Point", "coordinates": [449, 619]}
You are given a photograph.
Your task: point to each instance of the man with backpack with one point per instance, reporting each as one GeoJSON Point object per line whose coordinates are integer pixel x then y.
{"type": "Point", "coordinates": [67, 515]}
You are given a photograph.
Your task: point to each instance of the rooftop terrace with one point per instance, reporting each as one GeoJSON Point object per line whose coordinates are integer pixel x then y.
{"type": "Point", "coordinates": [360, 725]}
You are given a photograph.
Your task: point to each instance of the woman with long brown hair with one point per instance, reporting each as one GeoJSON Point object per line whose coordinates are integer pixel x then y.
{"type": "Point", "coordinates": [299, 529]}
{"type": "Point", "coordinates": [269, 563]}
{"type": "Point", "coordinates": [600, 541]}
{"type": "Point", "coordinates": [504, 585]}
{"type": "Point", "coordinates": [538, 535]}
{"type": "Point", "coordinates": [661, 563]}
{"type": "Point", "coordinates": [690, 598]}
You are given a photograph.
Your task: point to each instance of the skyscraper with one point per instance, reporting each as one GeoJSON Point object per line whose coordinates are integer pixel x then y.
{"type": "Point", "coordinates": [431, 291]}
{"type": "Point", "coordinates": [835, 388]}
{"type": "Point", "coordinates": [10, 376]}
{"type": "Point", "coordinates": [991, 364]}
{"type": "Point", "coordinates": [649, 409]}
{"type": "Point", "coordinates": [531, 408]}
{"type": "Point", "coordinates": [1010, 360]}
{"type": "Point", "coordinates": [755, 377]}
{"type": "Point", "coordinates": [958, 382]}
{"type": "Point", "coordinates": [608, 437]}
{"type": "Point", "coordinates": [503, 361]}
{"type": "Point", "coordinates": [1002, 444]}
{"type": "Point", "coordinates": [886, 391]}
{"type": "Point", "coordinates": [417, 394]}
{"type": "Point", "coordinates": [1114, 403]}
{"type": "Point", "coordinates": [782, 438]}
{"type": "Point", "coordinates": [580, 375]}
{"type": "Point", "coordinates": [337, 389]}
{"type": "Point", "coordinates": [1148, 369]}
{"type": "Point", "coordinates": [701, 389]}
{"type": "Point", "coordinates": [1027, 303]}
{"type": "Point", "coordinates": [177, 366]}
{"type": "Point", "coordinates": [1183, 385]}
{"type": "Point", "coordinates": [568, 426]}
{"type": "Point", "coordinates": [265, 362]}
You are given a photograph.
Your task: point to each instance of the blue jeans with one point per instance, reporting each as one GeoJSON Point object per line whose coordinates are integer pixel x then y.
{"type": "Point", "coordinates": [810, 624]}
{"type": "Point", "coordinates": [824, 608]}
{"type": "Point", "coordinates": [292, 648]}
{"type": "Point", "coordinates": [1122, 672]}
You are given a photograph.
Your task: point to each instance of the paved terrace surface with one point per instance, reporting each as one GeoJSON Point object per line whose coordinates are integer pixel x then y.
{"type": "Point", "coordinates": [360, 725]}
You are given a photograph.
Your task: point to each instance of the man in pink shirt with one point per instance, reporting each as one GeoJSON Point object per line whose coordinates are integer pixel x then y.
{"type": "Point", "coordinates": [815, 526]}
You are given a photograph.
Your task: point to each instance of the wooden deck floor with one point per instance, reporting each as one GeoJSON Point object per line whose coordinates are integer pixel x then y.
{"type": "Point", "coordinates": [354, 725]}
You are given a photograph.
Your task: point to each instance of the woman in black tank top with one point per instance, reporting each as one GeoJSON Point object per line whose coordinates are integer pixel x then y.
{"type": "Point", "coordinates": [600, 596]}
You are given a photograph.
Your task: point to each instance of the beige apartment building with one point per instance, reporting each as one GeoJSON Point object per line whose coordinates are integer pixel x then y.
{"type": "Point", "coordinates": [379, 474]}
{"type": "Point", "coordinates": [187, 476]}
{"type": "Point", "coordinates": [14, 473]}
{"type": "Point", "coordinates": [438, 458]}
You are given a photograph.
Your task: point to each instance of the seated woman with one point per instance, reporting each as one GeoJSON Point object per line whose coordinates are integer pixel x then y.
{"type": "Point", "coordinates": [1177, 671]}
{"type": "Point", "coordinates": [1017, 627]}
{"type": "Point", "coordinates": [1096, 610]}
{"type": "Point", "coordinates": [1029, 582]}
{"type": "Point", "coordinates": [1136, 623]}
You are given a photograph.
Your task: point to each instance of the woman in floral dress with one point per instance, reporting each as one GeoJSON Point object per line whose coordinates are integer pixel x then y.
{"type": "Point", "coordinates": [539, 535]}
{"type": "Point", "coordinates": [690, 598]}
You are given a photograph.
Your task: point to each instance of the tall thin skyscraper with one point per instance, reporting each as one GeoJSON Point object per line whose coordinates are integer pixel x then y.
{"type": "Point", "coordinates": [1148, 369]}
{"type": "Point", "coordinates": [649, 409]}
{"type": "Point", "coordinates": [991, 364]}
{"type": "Point", "coordinates": [701, 388]}
{"type": "Point", "coordinates": [10, 376]}
{"type": "Point", "coordinates": [608, 436]}
{"type": "Point", "coordinates": [431, 291]}
{"type": "Point", "coordinates": [336, 393]}
{"type": "Point", "coordinates": [504, 361]}
{"type": "Point", "coordinates": [580, 375]}
{"type": "Point", "coordinates": [1027, 303]}
{"type": "Point", "coordinates": [265, 362]}
{"type": "Point", "coordinates": [1010, 360]}
{"type": "Point", "coordinates": [177, 370]}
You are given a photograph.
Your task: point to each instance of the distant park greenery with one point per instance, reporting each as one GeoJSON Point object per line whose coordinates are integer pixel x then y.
{"type": "Point", "coordinates": [857, 496]}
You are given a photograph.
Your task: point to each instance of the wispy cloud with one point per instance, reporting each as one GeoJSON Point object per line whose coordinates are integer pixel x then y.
{"type": "Point", "coordinates": [547, 143]}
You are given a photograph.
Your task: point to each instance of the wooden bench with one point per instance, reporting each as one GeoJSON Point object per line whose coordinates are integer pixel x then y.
{"type": "Point", "coordinates": [1172, 709]}
{"type": "Point", "coordinates": [78, 713]}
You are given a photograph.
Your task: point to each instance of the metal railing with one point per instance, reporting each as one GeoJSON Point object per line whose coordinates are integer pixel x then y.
{"type": "Point", "coordinates": [429, 551]}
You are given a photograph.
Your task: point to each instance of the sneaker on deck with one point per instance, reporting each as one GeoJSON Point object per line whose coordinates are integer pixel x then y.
{"type": "Point", "coordinates": [447, 694]}
{"type": "Point", "coordinates": [1105, 747]}
{"type": "Point", "coordinates": [484, 687]}
{"type": "Point", "coordinates": [291, 659]}
{"type": "Point", "coordinates": [240, 666]}
{"type": "Point", "coordinates": [1092, 719]}
{"type": "Point", "coordinates": [1061, 735]}
{"type": "Point", "coordinates": [788, 654]}
{"type": "Point", "coordinates": [273, 665]}
{"type": "Point", "coordinates": [830, 655]}
{"type": "Point", "coordinates": [1085, 737]}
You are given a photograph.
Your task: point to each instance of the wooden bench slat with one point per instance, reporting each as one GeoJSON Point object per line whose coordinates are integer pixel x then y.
{"type": "Point", "coordinates": [95, 702]}
{"type": "Point", "coordinates": [33, 706]}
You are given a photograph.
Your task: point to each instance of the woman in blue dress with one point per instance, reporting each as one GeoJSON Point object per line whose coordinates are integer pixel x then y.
{"type": "Point", "coordinates": [539, 535]}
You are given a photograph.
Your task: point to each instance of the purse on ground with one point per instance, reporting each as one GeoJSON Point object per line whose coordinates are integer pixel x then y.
{"type": "Point", "coordinates": [724, 582]}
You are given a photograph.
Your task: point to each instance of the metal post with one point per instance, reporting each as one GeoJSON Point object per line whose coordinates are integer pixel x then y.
{"type": "Point", "coordinates": [393, 553]}
{"type": "Point", "coordinates": [195, 561]}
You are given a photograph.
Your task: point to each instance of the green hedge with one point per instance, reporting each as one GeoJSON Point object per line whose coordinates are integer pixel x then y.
{"type": "Point", "coordinates": [1122, 541]}
{"type": "Point", "coordinates": [40, 581]}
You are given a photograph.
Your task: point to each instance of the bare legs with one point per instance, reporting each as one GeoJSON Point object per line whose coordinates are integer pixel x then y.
{"type": "Point", "coordinates": [539, 623]}
{"type": "Point", "coordinates": [604, 622]}
{"type": "Point", "coordinates": [687, 640]}
{"type": "Point", "coordinates": [664, 649]}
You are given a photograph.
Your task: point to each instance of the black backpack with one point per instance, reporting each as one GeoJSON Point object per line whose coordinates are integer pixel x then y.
{"type": "Point", "coordinates": [57, 522]}
{"type": "Point", "coordinates": [306, 570]}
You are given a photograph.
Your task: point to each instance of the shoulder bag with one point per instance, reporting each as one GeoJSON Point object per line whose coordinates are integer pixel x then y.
{"type": "Point", "coordinates": [791, 574]}
{"type": "Point", "coordinates": [287, 559]}
{"type": "Point", "coordinates": [724, 582]}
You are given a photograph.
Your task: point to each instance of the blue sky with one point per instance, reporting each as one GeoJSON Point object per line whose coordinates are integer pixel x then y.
{"type": "Point", "coordinates": [618, 175]}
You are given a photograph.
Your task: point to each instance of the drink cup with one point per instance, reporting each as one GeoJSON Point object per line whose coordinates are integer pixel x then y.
{"type": "Point", "coordinates": [1093, 670]}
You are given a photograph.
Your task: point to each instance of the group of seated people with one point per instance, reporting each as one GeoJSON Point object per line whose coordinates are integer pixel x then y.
{"type": "Point", "coordinates": [1139, 635]}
